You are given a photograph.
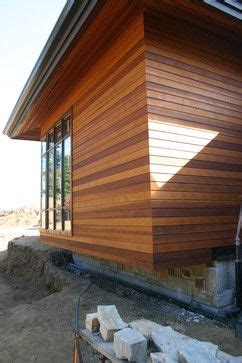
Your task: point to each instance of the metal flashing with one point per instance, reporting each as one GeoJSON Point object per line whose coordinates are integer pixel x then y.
{"type": "Point", "coordinates": [231, 7]}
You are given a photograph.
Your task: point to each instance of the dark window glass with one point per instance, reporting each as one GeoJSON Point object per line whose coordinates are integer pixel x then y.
{"type": "Point", "coordinates": [58, 156]}
{"type": "Point", "coordinates": [58, 220]}
{"type": "Point", "coordinates": [56, 178]}
{"type": "Point", "coordinates": [58, 133]}
{"type": "Point", "coordinates": [51, 178]}
{"type": "Point", "coordinates": [51, 219]}
{"type": "Point", "coordinates": [67, 173]}
{"type": "Point", "coordinates": [51, 139]}
{"type": "Point", "coordinates": [66, 126]}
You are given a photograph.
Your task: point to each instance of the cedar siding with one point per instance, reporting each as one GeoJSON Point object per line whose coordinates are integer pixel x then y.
{"type": "Point", "coordinates": [154, 92]}
{"type": "Point", "coordinates": [111, 180]}
{"type": "Point", "coordinates": [194, 82]}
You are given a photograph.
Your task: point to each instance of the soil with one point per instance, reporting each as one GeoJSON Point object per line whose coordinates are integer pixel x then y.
{"type": "Point", "coordinates": [38, 292]}
{"type": "Point", "coordinates": [20, 217]}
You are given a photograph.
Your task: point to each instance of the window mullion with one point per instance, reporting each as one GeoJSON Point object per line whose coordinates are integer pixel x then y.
{"type": "Point", "coordinates": [47, 184]}
{"type": "Point", "coordinates": [54, 183]}
{"type": "Point", "coordinates": [62, 185]}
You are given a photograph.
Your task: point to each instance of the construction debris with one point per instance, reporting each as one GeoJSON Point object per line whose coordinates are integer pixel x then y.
{"type": "Point", "coordinates": [92, 323]}
{"type": "Point", "coordinates": [169, 341]}
{"type": "Point", "coordinates": [145, 327]}
{"type": "Point", "coordinates": [110, 321]}
{"type": "Point", "coordinates": [130, 344]}
{"type": "Point", "coordinates": [160, 358]}
{"type": "Point", "coordinates": [196, 349]}
{"type": "Point", "coordinates": [130, 341]}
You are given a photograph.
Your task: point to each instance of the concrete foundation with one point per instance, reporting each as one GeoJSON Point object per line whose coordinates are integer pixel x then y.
{"type": "Point", "coordinates": [210, 288]}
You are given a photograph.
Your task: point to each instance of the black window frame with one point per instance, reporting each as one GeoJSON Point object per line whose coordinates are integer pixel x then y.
{"type": "Point", "coordinates": [67, 118]}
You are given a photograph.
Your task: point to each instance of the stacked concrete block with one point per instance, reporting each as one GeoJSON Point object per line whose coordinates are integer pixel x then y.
{"type": "Point", "coordinates": [110, 321]}
{"type": "Point", "coordinates": [161, 358]}
{"type": "Point", "coordinates": [92, 323]}
{"type": "Point", "coordinates": [145, 327]}
{"type": "Point", "coordinates": [169, 341]}
{"type": "Point", "coordinates": [131, 345]}
{"type": "Point", "coordinates": [195, 351]}
{"type": "Point", "coordinates": [220, 283]}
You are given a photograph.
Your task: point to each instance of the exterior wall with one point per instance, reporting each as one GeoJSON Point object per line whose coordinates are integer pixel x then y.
{"type": "Point", "coordinates": [111, 181]}
{"type": "Point", "coordinates": [156, 138]}
{"type": "Point", "coordinates": [194, 81]}
{"type": "Point", "coordinates": [208, 288]}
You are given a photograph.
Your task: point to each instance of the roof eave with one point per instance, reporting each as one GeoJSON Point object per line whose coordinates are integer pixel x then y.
{"type": "Point", "coordinates": [70, 21]}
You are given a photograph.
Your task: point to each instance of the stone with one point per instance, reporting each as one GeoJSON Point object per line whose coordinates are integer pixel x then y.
{"type": "Point", "coordinates": [161, 358]}
{"type": "Point", "coordinates": [145, 327]}
{"type": "Point", "coordinates": [131, 345]}
{"type": "Point", "coordinates": [110, 321]}
{"type": "Point", "coordinates": [224, 357]}
{"type": "Point", "coordinates": [212, 348]}
{"type": "Point", "coordinates": [92, 323]}
{"type": "Point", "coordinates": [195, 352]}
{"type": "Point", "coordinates": [169, 341]}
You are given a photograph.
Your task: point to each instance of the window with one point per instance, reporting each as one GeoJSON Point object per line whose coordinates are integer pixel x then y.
{"type": "Point", "coordinates": [56, 178]}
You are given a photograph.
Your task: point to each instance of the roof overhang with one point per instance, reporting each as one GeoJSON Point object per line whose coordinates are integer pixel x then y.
{"type": "Point", "coordinates": [70, 21]}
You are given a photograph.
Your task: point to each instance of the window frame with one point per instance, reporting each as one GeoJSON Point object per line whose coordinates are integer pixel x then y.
{"type": "Point", "coordinates": [47, 210]}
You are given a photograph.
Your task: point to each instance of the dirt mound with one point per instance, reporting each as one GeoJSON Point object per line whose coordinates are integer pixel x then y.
{"type": "Point", "coordinates": [37, 307]}
{"type": "Point", "coordinates": [21, 217]}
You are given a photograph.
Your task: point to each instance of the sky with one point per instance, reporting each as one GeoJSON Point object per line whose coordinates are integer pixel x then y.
{"type": "Point", "coordinates": [25, 26]}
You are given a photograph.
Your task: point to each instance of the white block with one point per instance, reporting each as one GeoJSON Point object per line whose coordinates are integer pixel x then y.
{"type": "Point", "coordinates": [169, 341]}
{"type": "Point", "coordinates": [196, 352]}
{"type": "Point", "coordinates": [92, 323]}
{"type": "Point", "coordinates": [110, 321]}
{"type": "Point", "coordinates": [224, 357]}
{"type": "Point", "coordinates": [131, 345]}
{"type": "Point", "coordinates": [161, 358]}
{"type": "Point", "coordinates": [145, 327]}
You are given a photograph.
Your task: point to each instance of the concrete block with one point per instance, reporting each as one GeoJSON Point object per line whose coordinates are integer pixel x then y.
{"type": "Point", "coordinates": [131, 345]}
{"type": "Point", "coordinates": [224, 298]}
{"type": "Point", "coordinates": [195, 351]}
{"type": "Point", "coordinates": [169, 341]}
{"type": "Point", "coordinates": [212, 348]}
{"type": "Point", "coordinates": [224, 357]}
{"type": "Point", "coordinates": [92, 323]}
{"type": "Point", "coordinates": [220, 276]}
{"type": "Point", "coordinates": [110, 321]}
{"type": "Point", "coordinates": [161, 358]}
{"type": "Point", "coordinates": [235, 360]}
{"type": "Point", "coordinates": [145, 327]}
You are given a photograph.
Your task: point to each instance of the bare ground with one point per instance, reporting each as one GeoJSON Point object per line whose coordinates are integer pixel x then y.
{"type": "Point", "coordinates": [37, 303]}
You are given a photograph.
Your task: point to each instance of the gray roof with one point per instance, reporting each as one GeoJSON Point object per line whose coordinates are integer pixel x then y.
{"type": "Point", "coordinates": [231, 7]}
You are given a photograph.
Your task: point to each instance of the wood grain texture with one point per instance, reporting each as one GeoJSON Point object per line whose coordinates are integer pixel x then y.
{"type": "Point", "coordinates": [110, 173]}
{"type": "Point", "coordinates": [194, 96]}
{"type": "Point", "coordinates": [155, 91]}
